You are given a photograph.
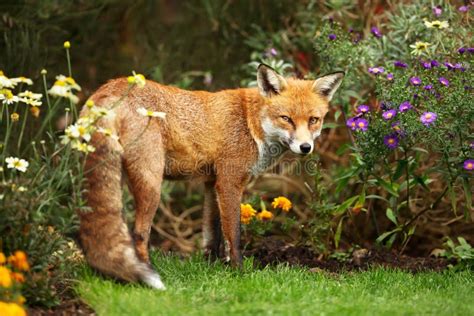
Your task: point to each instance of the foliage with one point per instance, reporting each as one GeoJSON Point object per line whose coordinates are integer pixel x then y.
{"type": "Point", "coordinates": [461, 251]}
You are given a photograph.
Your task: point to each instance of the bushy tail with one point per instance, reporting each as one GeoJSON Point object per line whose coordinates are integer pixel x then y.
{"type": "Point", "coordinates": [105, 238]}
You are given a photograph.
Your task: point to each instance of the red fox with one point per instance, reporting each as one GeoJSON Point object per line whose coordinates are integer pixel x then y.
{"type": "Point", "coordinates": [220, 138]}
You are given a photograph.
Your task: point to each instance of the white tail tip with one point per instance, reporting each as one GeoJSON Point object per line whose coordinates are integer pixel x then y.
{"type": "Point", "coordinates": [154, 281]}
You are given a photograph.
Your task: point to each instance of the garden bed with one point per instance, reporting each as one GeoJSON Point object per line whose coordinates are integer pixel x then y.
{"type": "Point", "coordinates": [273, 251]}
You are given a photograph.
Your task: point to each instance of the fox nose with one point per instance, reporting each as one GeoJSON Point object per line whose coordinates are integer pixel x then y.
{"type": "Point", "coordinates": [305, 148]}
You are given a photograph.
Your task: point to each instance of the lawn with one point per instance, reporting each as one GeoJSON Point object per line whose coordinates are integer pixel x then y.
{"type": "Point", "coordinates": [196, 287]}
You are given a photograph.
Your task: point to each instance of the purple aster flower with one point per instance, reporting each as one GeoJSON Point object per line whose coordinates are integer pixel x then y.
{"type": "Point", "coordinates": [390, 77]}
{"type": "Point", "coordinates": [463, 8]}
{"type": "Point", "coordinates": [376, 32]}
{"type": "Point", "coordinates": [428, 118]}
{"type": "Point", "coordinates": [363, 108]}
{"type": "Point", "coordinates": [469, 164]}
{"type": "Point", "coordinates": [434, 63]}
{"type": "Point", "coordinates": [470, 50]}
{"type": "Point", "coordinates": [332, 37]}
{"type": "Point", "coordinates": [462, 50]}
{"type": "Point", "coordinates": [437, 11]}
{"type": "Point", "coordinates": [416, 81]}
{"type": "Point", "coordinates": [405, 106]}
{"type": "Point", "coordinates": [352, 123]}
{"type": "Point", "coordinates": [376, 70]}
{"type": "Point", "coordinates": [391, 141]}
{"type": "Point", "coordinates": [444, 81]}
{"type": "Point", "coordinates": [450, 66]}
{"type": "Point", "coordinates": [428, 87]}
{"type": "Point", "coordinates": [388, 115]}
{"type": "Point", "coordinates": [362, 124]}
{"type": "Point", "coordinates": [426, 64]}
{"type": "Point", "coordinates": [459, 66]}
{"type": "Point", "coordinates": [400, 64]}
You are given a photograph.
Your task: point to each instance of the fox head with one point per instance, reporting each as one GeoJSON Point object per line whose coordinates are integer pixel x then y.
{"type": "Point", "coordinates": [294, 110]}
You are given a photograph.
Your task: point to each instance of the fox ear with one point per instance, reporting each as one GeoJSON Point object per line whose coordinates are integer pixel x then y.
{"type": "Point", "coordinates": [269, 82]}
{"type": "Point", "coordinates": [327, 85]}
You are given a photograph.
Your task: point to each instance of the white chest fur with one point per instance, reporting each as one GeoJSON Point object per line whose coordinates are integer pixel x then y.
{"type": "Point", "coordinates": [268, 154]}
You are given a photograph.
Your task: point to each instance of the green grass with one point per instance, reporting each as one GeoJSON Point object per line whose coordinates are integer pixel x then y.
{"type": "Point", "coordinates": [196, 287]}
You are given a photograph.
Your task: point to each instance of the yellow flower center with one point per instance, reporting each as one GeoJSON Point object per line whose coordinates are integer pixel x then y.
{"type": "Point", "coordinates": [470, 165]}
{"type": "Point", "coordinates": [391, 141]}
{"type": "Point", "coordinates": [428, 116]}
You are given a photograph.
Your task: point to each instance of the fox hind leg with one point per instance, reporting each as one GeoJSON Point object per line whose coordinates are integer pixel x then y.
{"type": "Point", "coordinates": [212, 232]}
{"type": "Point", "coordinates": [144, 164]}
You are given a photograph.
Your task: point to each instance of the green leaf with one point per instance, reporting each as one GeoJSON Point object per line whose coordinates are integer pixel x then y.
{"type": "Point", "coordinates": [337, 235]}
{"type": "Point", "coordinates": [378, 197]}
{"type": "Point", "coordinates": [468, 194]}
{"type": "Point", "coordinates": [392, 189]}
{"type": "Point", "coordinates": [391, 216]}
{"type": "Point", "coordinates": [401, 166]}
{"type": "Point", "coordinates": [346, 204]}
{"type": "Point", "coordinates": [452, 196]}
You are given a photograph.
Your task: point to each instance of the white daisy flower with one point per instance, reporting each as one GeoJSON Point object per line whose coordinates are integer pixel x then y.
{"type": "Point", "coordinates": [22, 79]}
{"type": "Point", "coordinates": [17, 163]}
{"type": "Point", "coordinates": [144, 112]}
{"type": "Point", "coordinates": [107, 132]}
{"type": "Point", "coordinates": [30, 95]}
{"type": "Point", "coordinates": [137, 79]}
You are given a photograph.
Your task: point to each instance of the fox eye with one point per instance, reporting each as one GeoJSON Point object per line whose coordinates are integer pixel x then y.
{"type": "Point", "coordinates": [285, 118]}
{"type": "Point", "coordinates": [313, 120]}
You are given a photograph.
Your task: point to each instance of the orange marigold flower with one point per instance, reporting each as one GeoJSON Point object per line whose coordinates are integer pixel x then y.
{"type": "Point", "coordinates": [3, 259]}
{"type": "Point", "coordinates": [247, 212]}
{"type": "Point", "coordinates": [35, 111]}
{"type": "Point", "coordinates": [264, 215]}
{"type": "Point", "coordinates": [11, 309]}
{"type": "Point", "coordinates": [5, 278]}
{"type": "Point", "coordinates": [18, 277]}
{"type": "Point", "coordinates": [282, 202]}
{"type": "Point", "coordinates": [19, 261]}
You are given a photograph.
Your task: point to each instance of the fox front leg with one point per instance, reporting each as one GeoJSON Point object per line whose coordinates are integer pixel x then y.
{"type": "Point", "coordinates": [229, 194]}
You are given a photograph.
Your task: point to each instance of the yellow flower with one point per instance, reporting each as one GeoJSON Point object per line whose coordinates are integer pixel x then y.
{"type": "Point", "coordinates": [3, 259]}
{"type": "Point", "coordinates": [137, 79]}
{"type": "Point", "coordinates": [5, 277]}
{"type": "Point", "coordinates": [90, 103]}
{"type": "Point", "coordinates": [11, 309]}
{"type": "Point", "coordinates": [437, 24]}
{"type": "Point", "coordinates": [264, 215]}
{"type": "Point", "coordinates": [419, 47]}
{"type": "Point", "coordinates": [247, 212]}
{"type": "Point", "coordinates": [15, 117]}
{"type": "Point", "coordinates": [67, 44]}
{"type": "Point", "coordinates": [145, 112]}
{"type": "Point", "coordinates": [282, 202]}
